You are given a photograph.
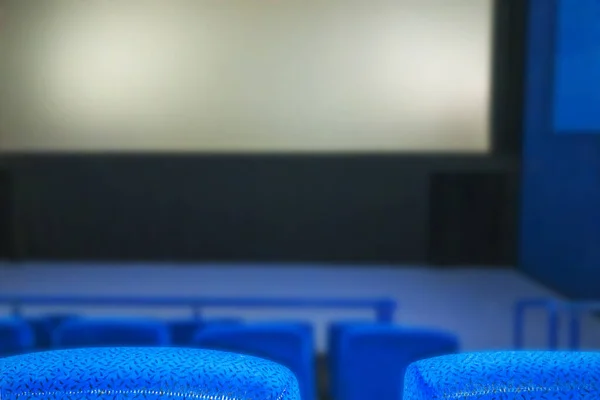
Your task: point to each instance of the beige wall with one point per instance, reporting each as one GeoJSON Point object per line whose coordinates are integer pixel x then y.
{"type": "Point", "coordinates": [245, 75]}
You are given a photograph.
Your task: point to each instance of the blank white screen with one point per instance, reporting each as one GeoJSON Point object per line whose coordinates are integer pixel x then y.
{"type": "Point", "coordinates": [246, 75]}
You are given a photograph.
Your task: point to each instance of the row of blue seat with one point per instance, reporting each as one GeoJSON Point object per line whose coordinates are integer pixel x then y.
{"type": "Point", "coordinates": [366, 359]}
{"type": "Point", "coordinates": [181, 332]}
{"type": "Point", "coordinates": [40, 333]}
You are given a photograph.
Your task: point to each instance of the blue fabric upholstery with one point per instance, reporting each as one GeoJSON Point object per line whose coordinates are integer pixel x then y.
{"type": "Point", "coordinates": [373, 358]}
{"type": "Point", "coordinates": [184, 331]}
{"type": "Point", "coordinates": [518, 375]}
{"type": "Point", "coordinates": [144, 374]}
{"type": "Point", "coordinates": [16, 337]}
{"type": "Point", "coordinates": [100, 332]}
{"type": "Point", "coordinates": [287, 343]}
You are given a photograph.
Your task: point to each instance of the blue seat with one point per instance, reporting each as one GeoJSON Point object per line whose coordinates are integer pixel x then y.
{"type": "Point", "coordinates": [334, 332]}
{"type": "Point", "coordinates": [44, 326]}
{"type": "Point", "coordinates": [100, 332]}
{"type": "Point", "coordinates": [183, 331]}
{"type": "Point", "coordinates": [510, 375]}
{"type": "Point", "coordinates": [144, 374]}
{"type": "Point", "coordinates": [372, 359]}
{"type": "Point", "coordinates": [16, 337]}
{"type": "Point", "coordinates": [287, 343]}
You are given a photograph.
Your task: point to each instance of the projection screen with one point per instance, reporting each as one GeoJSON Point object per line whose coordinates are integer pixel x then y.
{"type": "Point", "coordinates": [245, 75]}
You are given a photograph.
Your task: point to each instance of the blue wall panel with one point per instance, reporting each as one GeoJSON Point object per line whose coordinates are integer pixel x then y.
{"type": "Point", "coordinates": [577, 67]}
{"type": "Point", "coordinates": [560, 210]}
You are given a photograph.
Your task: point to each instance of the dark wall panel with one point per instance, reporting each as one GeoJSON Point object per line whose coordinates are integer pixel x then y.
{"type": "Point", "coordinates": [222, 208]}
{"type": "Point", "coordinates": [473, 218]}
{"type": "Point", "coordinates": [7, 238]}
{"type": "Point", "coordinates": [228, 208]}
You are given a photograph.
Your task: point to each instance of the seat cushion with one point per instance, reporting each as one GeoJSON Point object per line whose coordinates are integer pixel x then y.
{"type": "Point", "coordinates": [507, 375]}
{"type": "Point", "coordinates": [144, 373]}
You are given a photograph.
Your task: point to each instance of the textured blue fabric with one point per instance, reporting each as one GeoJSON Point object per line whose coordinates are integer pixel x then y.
{"type": "Point", "coordinates": [374, 358]}
{"type": "Point", "coordinates": [184, 331]}
{"type": "Point", "coordinates": [144, 374]}
{"type": "Point", "coordinates": [518, 375]}
{"type": "Point", "coordinates": [44, 326]}
{"type": "Point", "coordinates": [287, 343]}
{"type": "Point", "coordinates": [16, 337]}
{"type": "Point", "coordinates": [99, 332]}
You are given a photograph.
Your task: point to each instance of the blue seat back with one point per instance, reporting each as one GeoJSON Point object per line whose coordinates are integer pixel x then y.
{"type": "Point", "coordinates": [144, 374]}
{"type": "Point", "coordinates": [334, 332]}
{"type": "Point", "coordinates": [287, 343]}
{"type": "Point", "coordinates": [100, 332]}
{"type": "Point", "coordinates": [373, 358]}
{"type": "Point", "coordinates": [16, 337]}
{"type": "Point", "coordinates": [43, 328]}
{"type": "Point", "coordinates": [510, 375]}
{"type": "Point", "coordinates": [183, 331]}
